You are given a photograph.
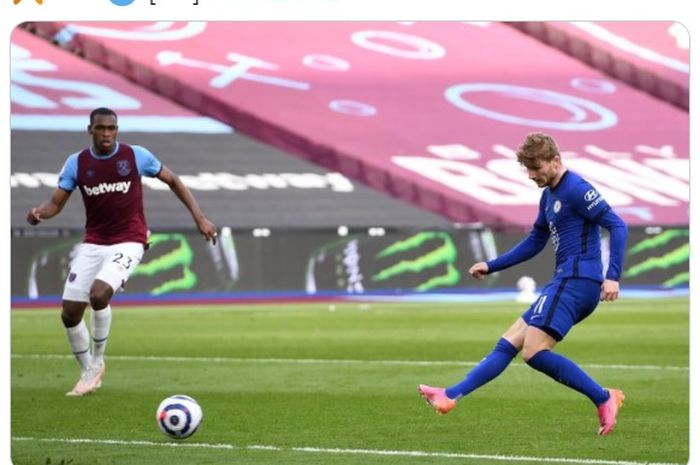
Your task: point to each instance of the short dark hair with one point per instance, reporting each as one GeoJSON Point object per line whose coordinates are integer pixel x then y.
{"type": "Point", "coordinates": [102, 111]}
{"type": "Point", "coordinates": [536, 148]}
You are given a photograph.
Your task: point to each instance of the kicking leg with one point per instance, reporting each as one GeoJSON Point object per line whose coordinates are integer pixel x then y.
{"type": "Point", "coordinates": [492, 365]}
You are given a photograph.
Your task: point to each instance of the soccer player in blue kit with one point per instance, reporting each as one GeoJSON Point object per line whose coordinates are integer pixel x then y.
{"type": "Point", "coordinates": [108, 175]}
{"type": "Point", "coordinates": [571, 212]}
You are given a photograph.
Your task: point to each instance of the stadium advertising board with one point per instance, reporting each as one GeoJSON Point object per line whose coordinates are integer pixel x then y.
{"type": "Point", "coordinates": [321, 262]}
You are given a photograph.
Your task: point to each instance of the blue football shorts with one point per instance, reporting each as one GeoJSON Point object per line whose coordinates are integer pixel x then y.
{"type": "Point", "coordinates": [563, 303]}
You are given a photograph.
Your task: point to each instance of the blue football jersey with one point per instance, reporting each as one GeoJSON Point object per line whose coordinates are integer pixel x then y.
{"type": "Point", "coordinates": [571, 214]}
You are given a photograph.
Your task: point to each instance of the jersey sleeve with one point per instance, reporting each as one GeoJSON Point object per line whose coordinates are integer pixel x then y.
{"type": "Point", "coordinates": [147, 163]}
{"type": "Point", "coordinates": [590, 204]}
{"type": "Point", "coordinates": [587, 201]}
{"type": "Point", "coordinates": [618, 240]}
{"type": "Point", "coordinates": [68, 177]}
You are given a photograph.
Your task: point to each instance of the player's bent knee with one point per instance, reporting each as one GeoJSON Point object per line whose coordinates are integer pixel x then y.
{"type": "Point", "coordinates": [72, 313]}
{"type": "Point", "coordinates": [70, 320]}
{"type": "Point", "coordinates": [98, 301]}
{"type": "Point", "coordinates": [100, 295]}
{"type": "Point", "coordinates": [529, 352]}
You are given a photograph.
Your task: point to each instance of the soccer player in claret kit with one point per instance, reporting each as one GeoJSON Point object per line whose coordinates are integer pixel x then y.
{"type": "Point", "coordinates": [108, 175]}
{"type": "Point", "coordinates": [571, 212]}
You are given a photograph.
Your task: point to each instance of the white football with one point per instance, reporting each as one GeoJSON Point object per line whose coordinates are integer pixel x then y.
{"type": "Point", "coordinates": [179, 416]}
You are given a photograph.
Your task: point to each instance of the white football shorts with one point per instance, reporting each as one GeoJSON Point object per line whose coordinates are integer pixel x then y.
{"type": "Point", "coordinates": [112, 264]}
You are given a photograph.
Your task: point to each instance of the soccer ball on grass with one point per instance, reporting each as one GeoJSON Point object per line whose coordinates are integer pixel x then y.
{"type": "Point", "coordinates": [179, 416]}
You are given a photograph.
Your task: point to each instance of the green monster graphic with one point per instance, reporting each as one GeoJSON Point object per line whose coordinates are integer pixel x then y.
{"type": "Point", "coordinates": [677, 257]}
{"type": "Point", "coordinates": [445, 254]}
{"type": "Point", "coordinates": [182, 256]}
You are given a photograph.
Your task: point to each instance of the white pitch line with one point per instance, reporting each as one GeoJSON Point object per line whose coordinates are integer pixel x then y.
{"type": "Point", "coordinates": [319, 361]}
{"type": "Point", "coordinates": [323, 450]}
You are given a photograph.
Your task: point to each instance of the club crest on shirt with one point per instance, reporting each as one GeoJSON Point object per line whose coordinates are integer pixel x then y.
{"type": "Point", "coordinates": [123, 167]}
{"type": "Point", "coordinates": [557, 206]}
{"type": "Point", "coordinates": [71, 277]}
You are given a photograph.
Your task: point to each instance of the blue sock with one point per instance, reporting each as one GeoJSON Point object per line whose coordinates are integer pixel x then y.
{"type": "Point", "coordinates": [566, 372]}
{"type": "Point", "coordinates": [488, 368]}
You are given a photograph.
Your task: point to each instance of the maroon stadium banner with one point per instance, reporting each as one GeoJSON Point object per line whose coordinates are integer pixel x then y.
{"type": "Point", "coordinates": [53, 89]}
{"type": "Point", "coordinates": [428, 112]}
{"type": "Point", "coordinates": [650, 55]}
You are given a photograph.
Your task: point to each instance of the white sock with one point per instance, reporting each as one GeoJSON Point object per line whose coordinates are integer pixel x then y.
{"type": "Point", "coordinates": [101, 322]}
{"type": "Point", "coordinates": [79, 340]}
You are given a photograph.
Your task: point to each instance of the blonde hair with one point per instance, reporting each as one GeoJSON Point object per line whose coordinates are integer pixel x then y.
{"type": "Point", "coordinates": [536, 148]}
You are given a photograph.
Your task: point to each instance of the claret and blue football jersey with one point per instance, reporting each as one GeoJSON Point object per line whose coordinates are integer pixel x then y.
{"type": "Point", "coordinates": [112, 191]}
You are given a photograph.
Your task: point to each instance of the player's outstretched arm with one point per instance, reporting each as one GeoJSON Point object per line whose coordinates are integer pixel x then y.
{"type": "Point", "coordinates": [205, 227]}
{"type": "Point", "coordinates": [48, 209]}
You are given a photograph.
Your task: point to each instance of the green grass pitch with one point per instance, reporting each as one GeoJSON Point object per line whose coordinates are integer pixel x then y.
{"type": "Point", "coordinates": [315, 383]}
